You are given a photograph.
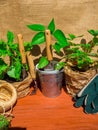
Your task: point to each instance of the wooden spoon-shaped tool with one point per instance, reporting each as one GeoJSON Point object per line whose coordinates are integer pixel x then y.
{"type": "Point", "coordinates": [48, 50]}
{"type": "Point", "coordinates": [23, 56]}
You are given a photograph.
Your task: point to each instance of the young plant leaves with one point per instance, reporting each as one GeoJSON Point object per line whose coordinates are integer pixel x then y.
{"type": "Point", "coordinates": [72, 36]}
{"type": "Point", "coordinates": [43, 62]}
{"type": "Point", "coordinates": [60, 37]}
{"type": "Point", "coordinates": [3, 48]}
{"type": "Point", "coordinates": [36, 27]}
{"type": "Point", "coordinates": [10, 36]}
{"type": "Point", "coordinates": [38, 38]}
{"type": "Point", "coordinates": [3, 68]}
{"type": "Point", "coordinates": [51, 26]}
{"type": "Point", "coordinates": [57, 47]}
{"type": "Point", "coordinates": [93, 32]}
{"type": "Point", "coordinates": [15, 70]}
{"type": "Point", "coordinates": [59, 65]}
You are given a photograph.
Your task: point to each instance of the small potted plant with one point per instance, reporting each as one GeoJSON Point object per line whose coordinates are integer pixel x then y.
{"type": "Point", "coordinates": [81, 62]}
{"type": "Point", "coordinates": [4, 123]}
{"type": "Point", "coordinates": [50, 71]}
{"type": "Point", "coordinates": [13, 69]}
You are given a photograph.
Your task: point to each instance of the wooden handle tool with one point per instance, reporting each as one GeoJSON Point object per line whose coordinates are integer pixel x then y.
{"type": "Point", "coordinates": [48, 45]}
{"type": "Point", "coordinates": [31, 65]}
{"type": "Point", "coordinates": [23, 56]}
{"type": "Point", "coordinates": [21, 48]}
{"type": "Point", "coordinates": [32, 71]}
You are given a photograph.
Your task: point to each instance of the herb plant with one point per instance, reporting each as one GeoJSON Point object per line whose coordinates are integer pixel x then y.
{"type": "Point", "coordinates": [39, 38]}
{"type": "Point", "coordinates": [4, 123]}
{"type": "Point", "coordinates": [80, 56]}
{"type": "Point", "coordinates": [10, 49]}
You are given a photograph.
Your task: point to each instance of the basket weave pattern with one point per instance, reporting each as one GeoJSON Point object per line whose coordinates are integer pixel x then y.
{"type": "Point", "coordinates": [75, 81]}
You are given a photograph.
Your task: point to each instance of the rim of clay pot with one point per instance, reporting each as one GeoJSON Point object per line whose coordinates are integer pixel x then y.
{"type": "Point", "coordinates": [49, 71]}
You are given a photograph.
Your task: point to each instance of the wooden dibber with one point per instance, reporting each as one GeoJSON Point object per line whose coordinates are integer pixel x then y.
{"type": "Point", "coordinates": [48, 50]}
{"type": "Point", "coordinates": [22, 52]}
{"type": "Point", "coordinates": [32, 71]}
{"type": "Point", "coordinates": [48, 45]}
{"type": "Point", "coordinates": [31, 65]}
{"type": "Point", "coordinates": [21, 48]}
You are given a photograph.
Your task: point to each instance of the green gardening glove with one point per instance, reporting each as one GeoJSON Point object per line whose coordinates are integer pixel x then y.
{"type": "Point", "coordinates": [88, 96]}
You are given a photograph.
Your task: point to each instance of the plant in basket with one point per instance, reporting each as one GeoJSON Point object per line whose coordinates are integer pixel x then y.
{"type": "Point", "coordinates": [87, 97]}
{"type": "Point", "coordinates": [50, 71]}
{"type": "Point", "coordinates": [14, 68]}
{"type": "Point", "coordinates": [81, 62]}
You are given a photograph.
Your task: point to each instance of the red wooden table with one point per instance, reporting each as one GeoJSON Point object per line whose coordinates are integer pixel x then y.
{"type": "Point", "coordinates": [38, 112]}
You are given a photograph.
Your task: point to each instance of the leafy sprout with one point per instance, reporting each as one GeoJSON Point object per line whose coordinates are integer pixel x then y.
{"type": "Point", "coordinates": [79, 55]}
{"type": "Point", "coordinates": [4, 123]}
{"type": "Point", "coordinates": [39, 38]}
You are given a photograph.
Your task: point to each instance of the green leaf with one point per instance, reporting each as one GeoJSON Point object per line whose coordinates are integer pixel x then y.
{"type": "Point", "coordinates": [93, 32]}
{"type": "Point", "coordinates": [15, 70]}
{"type": "Point", "coordinates": [95, 41]}
{"type": "Point", "coordinates": [59, 65]}
{"type": "Point", "coordinates": [38, 38]}
{"type": "Point", "coordinates": [11, 72]}
{"type": "Point", "coordinates": [51, 26]}
{"type": "Point", "coordinates": [43, 62]}
{"type": "Point", "coordinates": [10, 36]}
{"type": "Point", "coordinates": [60, 37]}
{"type": "Point", "coordinates": [3, 68]}
{"type": "Point", "coordinates": [36, 27]}
{"type": "Point", "coordinates": [72, 36]}
{"type": "Point", "coordinates": [28, 46]}
{"type": "Point", "coordinates": [4, 123]}
{"type": "Point", "coordinates": [57, 47]}
{"type": "Point", "coordinates": [3, 48]}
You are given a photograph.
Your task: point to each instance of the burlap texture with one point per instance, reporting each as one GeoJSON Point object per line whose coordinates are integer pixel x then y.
{"type": "Point", "coordinates": [76, 80]}
{"type": "Point", "coordinates": [72, 16]}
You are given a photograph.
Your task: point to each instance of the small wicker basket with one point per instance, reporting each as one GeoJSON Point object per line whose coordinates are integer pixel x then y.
{"type": "Point", "coordinates": [8, 96]}
{"type": "Point", "coordinates": [23, 87]}
{"type": "Point", "coordinates": [75, 81]}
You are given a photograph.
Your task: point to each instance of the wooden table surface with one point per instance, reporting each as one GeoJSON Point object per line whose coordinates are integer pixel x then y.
{"type": "Point", "coordinates": [38, 112]}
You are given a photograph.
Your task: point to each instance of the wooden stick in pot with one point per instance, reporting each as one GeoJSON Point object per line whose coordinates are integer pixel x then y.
{"type": "Point", "coordinates": [31, 65]}
{"type": "Point", "coordinates": [23, 56]}
{"type": "Point", "coordinates": [48, 49]}
{"type": "Point", "coordinates": [32, 70]}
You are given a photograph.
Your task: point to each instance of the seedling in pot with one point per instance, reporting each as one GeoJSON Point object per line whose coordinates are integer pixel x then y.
{"type": "Point", "coordinates": [44, 35]}
{"type": "Point", "coordinates": [12, 68]}
{"type": "Point", "coordinates": [80, 56]}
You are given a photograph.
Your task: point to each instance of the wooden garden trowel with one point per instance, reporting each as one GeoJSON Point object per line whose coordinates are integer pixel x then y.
{"type": "Point", "coordinates": [50, 66]}
{"type": "Point", "coordinates": [23, 56]}
{"type": "Point", "coordinates": [32, 71]}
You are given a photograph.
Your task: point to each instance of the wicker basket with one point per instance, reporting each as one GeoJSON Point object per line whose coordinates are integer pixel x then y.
{"type": "Point", "coordinates": [23, 87]}
{"type": "Point", "coordinates": [8, 96]}
{"type": "Point", "coordinates": [75, 81]}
